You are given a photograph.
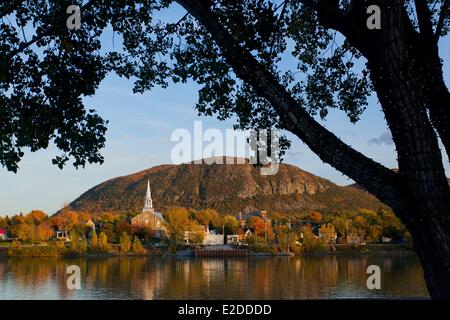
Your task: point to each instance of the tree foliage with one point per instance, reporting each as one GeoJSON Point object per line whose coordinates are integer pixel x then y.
{"type": "Point", "coordinates": [236, 51]}
{"type": "Point", "coordinates": [125, 243]}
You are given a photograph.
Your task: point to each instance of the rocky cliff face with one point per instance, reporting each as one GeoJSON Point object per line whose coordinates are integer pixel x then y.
{"type": "Point", "coordinates": [227, 188]}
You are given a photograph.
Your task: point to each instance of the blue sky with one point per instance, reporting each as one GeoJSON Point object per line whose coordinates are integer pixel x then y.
{"type": "Point", "coordinates": [138, 138]}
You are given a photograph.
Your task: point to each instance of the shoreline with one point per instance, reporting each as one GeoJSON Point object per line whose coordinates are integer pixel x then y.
{"type": "Point", "coordinates": [336, 250]}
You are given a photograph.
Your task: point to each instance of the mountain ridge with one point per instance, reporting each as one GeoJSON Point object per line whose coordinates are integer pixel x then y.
{"type": "Point", "coordinates": [226, 188]}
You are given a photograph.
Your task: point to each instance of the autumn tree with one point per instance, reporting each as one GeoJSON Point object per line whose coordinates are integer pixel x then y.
{"type": "Point", "coordinates": [123, 226]}
{"type": "Point", "coordinates": [109, 230]}
{"type": "Point", "coordinates": [261, 228]}
{"type": "Point", "coordinates": [234, 51]}
{"type": "Point", "coordinates": [315, 216]}
{"type": "Point", "coordinates": [177, 223]}
{"type": "Point", "coordinates": [310, 241]}
{"type": "Point", "coordinates": [36, 216]}
{"type": "Point", "coordinates": [359, 226]}
{"type": "Point", "coordinates": [196, 232]}
{"type": "Point", "coordinates": [44, 231]}
{"type": "Point", "coordinates": [285, 237]}
{"type": "Point", "coordinates": [65, 220]}
{"type": "Point", "coordinates": [207, 217]}
{"type": "Point", "coordinates": [125, 243]}
{"type": "Point", "coordinates": [328, 232]}
{"type": "Point", "coordinates": [25, 232]}
{"type": "Point", "coordinates": [231, 224]}
{"type": "Point", "coordinates": [84, 217]}
{"type": "Point", "coordinates": [342, 225]}
{"type": "Point", "coordinates": [137, 247]}
{"type": "Point", "coordinates": [94, 240]}
{"type": "Point", "coordinates": [3, 222]}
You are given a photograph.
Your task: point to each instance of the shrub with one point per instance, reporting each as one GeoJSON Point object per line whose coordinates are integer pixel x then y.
{"type": "Point", "coordinates": [34, 251]}
{"type": "Point", "coordinates": [103, 242]}
{"type": "Point", "coordinates": [16, 244]}
{"type": "Point", "coordinates": [94, 240]}
{"type": "Point", "coordinates": [260, 248]}
{"type": "Point", "coordinates": [74, 243]}
{"type": "Point", "coordinates": [77, 247]}
{"type": "Point", "coordinates": [137, 247]}
{"type": "Point", "coordinates": [311, 242]}
{"type": "Point", "coordinates": [60, 244]}
{"type": "Point", "coordinates": [83, 246]}
{"type": "Point", "coordinates": [125, 243]}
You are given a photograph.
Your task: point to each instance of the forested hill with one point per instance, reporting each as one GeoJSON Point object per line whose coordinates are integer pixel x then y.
{"type": "Point", "coordinates": [226, 188]}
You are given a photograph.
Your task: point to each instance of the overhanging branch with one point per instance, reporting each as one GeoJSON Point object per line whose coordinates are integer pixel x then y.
{"type": "Point", "coordinates": [445, 13]}
{"type": "Point", "coordinates": [424, 18]}
{"type": "Point", "coordinates": [371, 175]}
{"type": "Point", "coordinates": [46, 32]}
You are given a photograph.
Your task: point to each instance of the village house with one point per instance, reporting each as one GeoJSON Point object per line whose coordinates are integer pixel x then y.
{"type": "Point", "coordinates": [91, 225]}
{"type": "Point", "coordinates": [210, 237]}
{"type": "Point", "coordinates": [61, 235]}
{"type": "Point", "coordinates": [239, 238]}
{"type": "Point", "coordinates": [149, 218]}
{"type": "Point", "coordinates": [243, 232]}
{"type": "Point", "coordinates": [2, 234]}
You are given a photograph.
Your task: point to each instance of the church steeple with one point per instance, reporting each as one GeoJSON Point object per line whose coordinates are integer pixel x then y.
{"type": "Point", "coordinates": [148, 205]}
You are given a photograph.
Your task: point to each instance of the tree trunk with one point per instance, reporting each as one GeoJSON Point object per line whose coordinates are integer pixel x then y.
{"type": "Point", "coordinates": [432, 244]}
{"type": "Point", "coordinates": [421, 170]}
{"type": "Point", "coordinates": [419, 193]}
{"type": "Point", "coordinates": [437, 97]}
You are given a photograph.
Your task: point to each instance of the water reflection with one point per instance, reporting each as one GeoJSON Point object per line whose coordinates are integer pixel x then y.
{"type": "Point", "coordinates": [170, 278]}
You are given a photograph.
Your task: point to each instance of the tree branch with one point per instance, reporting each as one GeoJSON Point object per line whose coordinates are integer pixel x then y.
{"type": "Point", "coordinates": [445, 12]}
{"type": "Point", "coordinates": [8, 9]}
{"type": "Point", "coordinates": [46, 32]}
{"type": "Point", "coordinates": [424, 18]}
{"type": "Point", "coordinates": [375, 178]}
{"type": "Point", "coordinates": [328, 12]}
{"type": "Point", "coordinates": [277, 25]}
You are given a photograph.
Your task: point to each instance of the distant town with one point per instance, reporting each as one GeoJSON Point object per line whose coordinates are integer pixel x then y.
{"type": "Point", "coordinates": [184, 231]}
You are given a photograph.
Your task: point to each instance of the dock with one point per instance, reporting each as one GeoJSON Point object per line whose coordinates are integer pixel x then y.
{"type": "Point", "coordinates": [220, 253]}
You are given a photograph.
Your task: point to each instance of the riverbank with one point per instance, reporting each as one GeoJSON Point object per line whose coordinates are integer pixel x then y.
{"type": "Point", "coordinates": [114, 250]}
{"type": "Point", "coordinates": [368, 249]}
{"type": "Point", "coordinates": [35, 251]}
{"type": "Point", "coordinates": [336, 249]}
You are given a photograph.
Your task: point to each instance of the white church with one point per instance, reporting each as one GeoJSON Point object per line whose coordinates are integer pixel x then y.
{"type": "Point", "coordinates": [149, 218]}
{"type": "Point", "coordinates": [153, 220]}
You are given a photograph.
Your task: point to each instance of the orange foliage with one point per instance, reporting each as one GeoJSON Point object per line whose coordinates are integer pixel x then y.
{"type": "Point", "coordinates": [261, 227]}
{"type": "Point", "coordinates": [316, 216]}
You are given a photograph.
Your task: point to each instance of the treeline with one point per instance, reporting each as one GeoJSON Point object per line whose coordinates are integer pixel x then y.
{"type": "Point", "coordinates": [310, 231]}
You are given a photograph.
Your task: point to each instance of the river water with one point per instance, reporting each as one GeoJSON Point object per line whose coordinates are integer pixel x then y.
{"type": "Point", "coordinates": [312, 277]}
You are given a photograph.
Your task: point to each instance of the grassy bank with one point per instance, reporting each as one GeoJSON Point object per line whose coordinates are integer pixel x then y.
{"type": "Point", "coordinates": [56, 251]}
{"type": "Point", "coordinates": [364, 249]}
{"type": "Point", "coordinates": [52, 250]}
{"type": "Point", "coordinates": [336, 249]}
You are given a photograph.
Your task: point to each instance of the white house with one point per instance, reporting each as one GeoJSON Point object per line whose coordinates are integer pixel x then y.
{"type": "Point", "coordinates": [212, 238]}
